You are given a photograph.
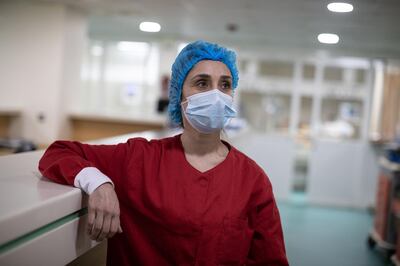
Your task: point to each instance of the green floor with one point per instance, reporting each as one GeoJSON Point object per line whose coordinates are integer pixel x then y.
{"type": "Point", "coordinates": [317, 236]}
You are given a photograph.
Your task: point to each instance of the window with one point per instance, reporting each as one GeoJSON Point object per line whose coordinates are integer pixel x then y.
{"type": "Point", "coordinates": [120, 76]}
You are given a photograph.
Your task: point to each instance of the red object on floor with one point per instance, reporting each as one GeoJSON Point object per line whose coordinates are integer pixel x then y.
{"type": "Point", "coordinates": [382, 206]}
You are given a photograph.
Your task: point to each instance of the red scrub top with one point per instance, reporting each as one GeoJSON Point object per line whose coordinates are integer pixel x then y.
{"type": "Point", "coordinates": [173, 214]}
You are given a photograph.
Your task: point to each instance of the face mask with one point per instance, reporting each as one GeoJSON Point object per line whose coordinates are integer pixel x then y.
{"type": "Point", "coordinates": [209, 111]}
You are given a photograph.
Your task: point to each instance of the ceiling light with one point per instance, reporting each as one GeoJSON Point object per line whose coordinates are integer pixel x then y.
{"type": "Point", "coordinates": [329, 38]}
{"type": "Point", "coordinates": [150, 26]}
{"type": "Point", "coordinates": [340, 7]}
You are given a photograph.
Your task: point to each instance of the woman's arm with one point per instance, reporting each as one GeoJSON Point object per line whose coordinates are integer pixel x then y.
{"type": "Point", "coordinates": [91, 168]}
{"type": "Point", "coordinates": [65, 160]}
{"type": "Point", "coordinates": [267, 246]}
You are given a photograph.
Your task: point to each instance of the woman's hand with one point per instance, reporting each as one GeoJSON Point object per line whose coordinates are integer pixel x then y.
{"type": "Point", "coordinates": [103, 220]}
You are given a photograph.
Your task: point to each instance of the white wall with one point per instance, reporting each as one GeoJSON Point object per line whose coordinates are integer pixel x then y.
{"type": "Point", "coordinates": [75, 38]}
{"type": "Point", "coordinates": [343, 173]}
{"type": "Point", "coordinates": [275, 155]}
{"type": "Point", "coordinates": [40, 51]}
{"type": "Point", "coordinates": [168, 53]}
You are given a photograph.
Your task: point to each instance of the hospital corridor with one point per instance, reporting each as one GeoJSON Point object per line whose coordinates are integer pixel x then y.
{"type": "Point", "coordinates": [199, 132]}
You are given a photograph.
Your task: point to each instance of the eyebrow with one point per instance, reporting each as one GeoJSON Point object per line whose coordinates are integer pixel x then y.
{"type": "Point", "coordinates": [226, 77]}
{"type": "Point", "coordinates": [206, 76]}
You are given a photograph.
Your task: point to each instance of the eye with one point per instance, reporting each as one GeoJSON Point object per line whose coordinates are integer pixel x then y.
{"type": "Point", "coordinates": [201, 83]}
{"type": "Point", "coordinates": [226, 85]}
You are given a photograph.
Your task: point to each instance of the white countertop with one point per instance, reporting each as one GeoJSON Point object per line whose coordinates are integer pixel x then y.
{"type": "Point", "coordinates": [29, 201]}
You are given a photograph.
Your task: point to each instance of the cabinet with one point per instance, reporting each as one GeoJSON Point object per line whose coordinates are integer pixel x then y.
{"type": "Point", "coordinates": [306, 97]}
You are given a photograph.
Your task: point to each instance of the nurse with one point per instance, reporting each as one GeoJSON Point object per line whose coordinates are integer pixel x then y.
{"type": "Point", "coordinates": [191, 199]}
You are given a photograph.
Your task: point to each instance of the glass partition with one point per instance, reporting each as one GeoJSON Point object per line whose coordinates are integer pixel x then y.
{"type": "Point", "coordinates": [266, 112]}
{"type": "Point", "coordinates": [120, 76]}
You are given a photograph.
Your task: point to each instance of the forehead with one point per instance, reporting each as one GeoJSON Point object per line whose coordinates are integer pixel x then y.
{"type": "Point", "coordinates": [213, 68]}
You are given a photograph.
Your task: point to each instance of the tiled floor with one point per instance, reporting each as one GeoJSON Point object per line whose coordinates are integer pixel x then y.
{"type": "Point", "coordinates": [317, 236]}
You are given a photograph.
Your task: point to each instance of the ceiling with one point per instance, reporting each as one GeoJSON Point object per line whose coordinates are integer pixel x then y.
{"type": "Point", "coordinates": [372, 29]}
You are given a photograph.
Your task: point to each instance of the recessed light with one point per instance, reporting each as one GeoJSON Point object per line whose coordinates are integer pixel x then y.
{"type": "Point", "coordinates": [150, 26]}
{"type": "Point", "coordinates": [329, 38]}
{"type": "Point", "coordinates": [340, 7]}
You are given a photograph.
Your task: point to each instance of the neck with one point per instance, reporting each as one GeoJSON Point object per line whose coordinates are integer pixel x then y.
{"type": "Point", "coordinates": [198, 143]}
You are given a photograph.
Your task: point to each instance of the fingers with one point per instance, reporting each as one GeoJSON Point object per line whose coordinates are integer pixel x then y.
{"type": "Point", "coordinates": [114, 226]}
{"type": "Point", "coordinates": [91, 217]}
{"type": "Point", "coordinates": [103, 215]}
{"type": "Point", "coordinates": [98, 225]}
{"type": "Point", "coordinates": [105, 229]}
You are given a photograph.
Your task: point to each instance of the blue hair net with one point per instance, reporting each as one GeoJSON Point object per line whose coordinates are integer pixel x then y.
{"type": "Point", "coordinates": [186, 60]}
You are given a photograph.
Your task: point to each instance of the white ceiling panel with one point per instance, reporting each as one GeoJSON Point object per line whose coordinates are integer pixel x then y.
{"type": "Point", "coordinates": [372, 29]}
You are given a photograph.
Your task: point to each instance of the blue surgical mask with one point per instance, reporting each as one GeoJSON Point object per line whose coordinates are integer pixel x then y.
{"type": "Point", "coordinates": [209, 111]}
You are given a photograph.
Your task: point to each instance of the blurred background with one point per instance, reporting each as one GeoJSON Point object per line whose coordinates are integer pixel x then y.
{"type": "Point", "coordinates": [318, 98]}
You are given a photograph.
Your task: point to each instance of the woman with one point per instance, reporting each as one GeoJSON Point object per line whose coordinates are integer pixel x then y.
{"type": "Point", "coordinates": [191, 199]}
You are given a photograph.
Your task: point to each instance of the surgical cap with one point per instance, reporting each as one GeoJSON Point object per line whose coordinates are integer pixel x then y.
{"type": "Point", "coordinates": [189, 56]}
